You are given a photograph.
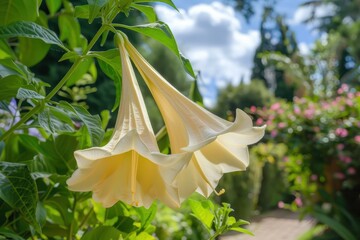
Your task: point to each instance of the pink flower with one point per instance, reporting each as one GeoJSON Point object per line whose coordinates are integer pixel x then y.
{"type": "Point", "coordinates": [297, 110]}
{"type": "Point", "coordinates": [280, 111]}
{"type": "Point", "coordinates": [253, 109]}
{"type": "Point", "coordinates": [298, 202]}
{"type": "Point", "coordinates": [345, 159]}
{"type": "Point", "coordinates": [340, 146]}
{"type": "Point", "coordinates": [351, 171]}
{"type": "Point", "coordinates": [281, 125]}
{"type": "Point", "coordinates": [341, 132]}
{"type": "Point", "coordinates": [259, 121]}
{"type": "Point", "coordinates": [274, 133]}
{"type": "Point", "coordinates": [275, 106]}
{"type": "Point", "coordinates": [281, 204]}
{"type": "Point", "coordinates": [339, 175]}
{"type": "Point", "coordinates": [357, 139]}
{"type": "Point", "coordinates": [350, 95]}
{"type": "Point", "coordinates": [313, 177]}
{"type": "Point", "coordinates": [309, 113]}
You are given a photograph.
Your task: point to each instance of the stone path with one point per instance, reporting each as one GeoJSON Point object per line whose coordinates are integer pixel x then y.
{"type": "Point", "coordinates": [275, 225]}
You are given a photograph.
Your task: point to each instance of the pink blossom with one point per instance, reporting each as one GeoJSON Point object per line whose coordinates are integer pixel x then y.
{"type": "Point", "coordinates": [253, 109]}
{"type": "Point", "coordinates": [309, 113]}
{"type": "Point", "coordinates": [274, 133]}
{"type": "Point", "coordinates": [298, 202]}
{"type": "Point", "coordinates": [339, 175]}
{"type": "Point", "coordinates": [345, 87]}
{"type": "Point", "coordinates": [357, 139]}
{"type": "Point", "coordinates": [340, 91]}
{"type": "Point", "coordinates": [350, 95]}
{"type": "Point", "coordinates": [275, 106]}
{"type": "Point", "coordinates": [340, 146]}
{"type": "Point", "coordinates": [341, 132]}
{"type": "Point", "coordinates": [297, 110]}
{"type": "Point", "coordinates": [281, 125]}
{"type": "Point", "coordinates": [259, 121]}
{"type": "Point", "coordinates": [351, 171]}
{"type": "Point", "coordinates": [281, 204]}
{"type": "Point", "coordinates": [345, 159]}
{"type": "Point", "coordinates": [349, 102]}
{"type": "Point", "coordinates": [313, 177]}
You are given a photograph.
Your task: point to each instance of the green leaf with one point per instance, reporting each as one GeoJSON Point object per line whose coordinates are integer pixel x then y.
{"type": "Point", "coordinates": [146, 215]}
{"type": "Point", "coordinates": [52, 124]}
{"type": "Point", "coordinates": [94, 8]}
{"type": "Point", "coordinates": [195, 94]}
{"type": "Point", "coordinates": [110, 63]}
{"type": "Point", "coordinates": [9, 234]}
{"type": "Point", "coordinates": [81, 70]}
{"type": "Point", "coordinates": [340, 229]}
{"type": "Point", "coordinates": [161, 32]}
{"type": "Point", "coordinates": [70, 31]}
{"type": "Point", "coordinates": [19, 190]}
{"type": "Point", "coordinates": [144, 236]}
{"type": "Point", "coordinates": [168, 2]}
{"type": "Point", "coordinates": [242, 230]}
{"type": "Point", "coordinates": [9, 86]}
{"type": "Point", "coordinates": [5, 50]}
{"type": "Point", "coordinates": [30, 30]}
{"type": "Point", "coordinates": [32, 51]}
{"type": "Point", "coordinates": [24, 93]}
{"type": "Point", "coordinates": [18, 10]}
{"type": "Point", "coordinates": [202, 211]}
{"type": "Point", "coordinates": [92, 122]}
{"type": "Point", "coordinates": [102, 232]}
{"type": "Point", "coordinates": [82, 11]}
{"type": "Point", "coordinates": [148, 11]}
{"type": "Point", "coordinates": [53, 6]}
{"type": "Point", "coordinates": [187, 65]}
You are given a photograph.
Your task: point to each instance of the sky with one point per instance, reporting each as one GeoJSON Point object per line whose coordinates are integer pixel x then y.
{"type": "Point", "coordinates": [220, 44]}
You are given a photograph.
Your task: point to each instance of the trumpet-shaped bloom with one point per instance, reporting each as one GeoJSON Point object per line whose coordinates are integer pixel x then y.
{"type": "Point", "coordinates": [130, 167]}
{"type": "Point", "coordinates": [218, 146]}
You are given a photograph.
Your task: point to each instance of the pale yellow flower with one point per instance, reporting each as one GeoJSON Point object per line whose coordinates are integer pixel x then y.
{"type": "Point", "coordinates": [130, 167]}
{"type": "Point", "coordinates": [218, 146]}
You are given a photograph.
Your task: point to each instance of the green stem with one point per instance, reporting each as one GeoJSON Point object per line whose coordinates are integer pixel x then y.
{"type": "Point", "coordinates": [38, 107]}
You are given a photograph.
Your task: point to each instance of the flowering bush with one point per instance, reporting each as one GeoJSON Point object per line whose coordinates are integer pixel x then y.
{"type": "Point", "coordinates": [322, 161]}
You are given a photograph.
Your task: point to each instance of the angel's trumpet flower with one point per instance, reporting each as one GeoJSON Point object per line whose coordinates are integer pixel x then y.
{"type": "Point", "coordinates": [218, 146]}
{"type": "Point", "coordinates": [130, 167]}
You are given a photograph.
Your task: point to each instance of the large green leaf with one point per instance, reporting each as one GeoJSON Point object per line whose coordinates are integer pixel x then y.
{"type": "Point", "coordinates": [335, 225]}
{"type": "Point", "coordinates": [18, 189]}
{"type": "Point", "coordinates": [92, 122]}
{"type": "Point", "coordinates": [161, 32]}
{"type": "Point", "coordinates": [195, 94]}
{"type": "Point", "coordinates": [70, 31]}
{"type": "Point", "coordinates": [32, 51]}
{"type": "Point", "coordinates": [30, 30]}
{"type": "Point", "coordinates": [94, 8]}
{"type": "Point", "coordinates": [24, 93]}
{"type": "Point", "coordinates": [148, 11]}
{"type": "Point", "coordinates": [202, 211]}
{"type": "Point", "coordinates": [146, 215]}
{"type": "Point", "coordinates": [103, 232]}
{"type": "Point", "coordinates": [52, 124]}
{"type": "Point", "coordinates": [169, 2]}
{"type": "Point", "coordinates": [9, 86]}
{"type": "Point", "coordinates": [8, 234]}
{"type": "Point", "coordinates": [110, 63]}
{"type": "Point", "coordinates": [18, 10]}
{"type": "Point", "coordinates": [53, 6]}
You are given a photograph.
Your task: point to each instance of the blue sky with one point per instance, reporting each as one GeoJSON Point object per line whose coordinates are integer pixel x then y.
{"type": "Point", "coordinates": [220, 44]}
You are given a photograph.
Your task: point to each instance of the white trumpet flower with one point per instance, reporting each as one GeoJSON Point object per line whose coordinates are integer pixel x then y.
{"type": "Point", "coordinates": [218, 146]}
{"type": "Point", "coordinates": [130, 167]}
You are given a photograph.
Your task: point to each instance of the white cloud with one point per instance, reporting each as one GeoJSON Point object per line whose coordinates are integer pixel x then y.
{"type": "Point", "coordinates": [305, 12]}
{"type": "Point", "coordinates": [210, 36]}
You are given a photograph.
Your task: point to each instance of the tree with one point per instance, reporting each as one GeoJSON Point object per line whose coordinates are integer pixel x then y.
{"type": "Point", "coordinates": [275, 37]}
